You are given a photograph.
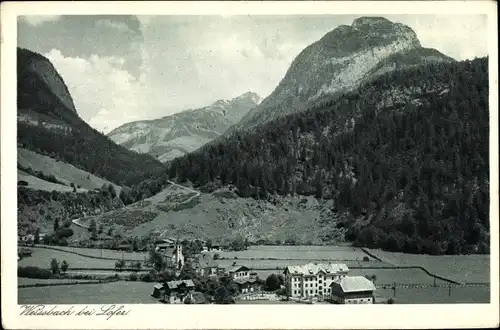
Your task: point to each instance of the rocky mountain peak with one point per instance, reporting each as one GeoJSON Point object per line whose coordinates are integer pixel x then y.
{"type": "Point", "coordinates": [340, 61]}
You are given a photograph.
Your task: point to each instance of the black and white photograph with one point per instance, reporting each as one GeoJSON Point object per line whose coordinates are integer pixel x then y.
{"type": "Point", "coordinates": [247, 159]}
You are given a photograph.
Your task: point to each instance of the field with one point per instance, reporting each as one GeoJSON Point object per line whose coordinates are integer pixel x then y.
{"type": "Point", "coordinates": [461, 268]}
{"type": "Point", "coordinates": [300, 252]}
{"type": "Point", "coordinates": [29, 281]}
{"type": "Point", "coordinates": [139, 256]}
{"type": "Point", "coordinates": [472, 294]}
{"type": "Point", "coordinates": [401, 276]}
{"type": "Point", "coordinates": [39, 184]}
{"type": "Point", "coordinates": [282, 263]}
{"type": "Point", "coordinates": [42, 258]}
{"type": "Point", "coordinates": [62, 171]}
{"type": "Point", "coordinates": [104, 293]}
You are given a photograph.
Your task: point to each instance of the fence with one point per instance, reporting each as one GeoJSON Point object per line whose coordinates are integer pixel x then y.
{"type": "Point", "coordinates": [67, 250]}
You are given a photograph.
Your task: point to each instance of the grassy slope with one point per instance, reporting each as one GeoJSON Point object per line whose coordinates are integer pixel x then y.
{"type": "Point", "coordinates": [39, 184]}
{"type": "Point", "coordinates": [62, 171]}
{"type": "Point", "coordinates": [109, 293]}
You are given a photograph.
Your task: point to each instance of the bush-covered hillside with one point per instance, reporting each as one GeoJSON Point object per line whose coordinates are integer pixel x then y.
{"type": "Point", "coordinates": [405, 158]}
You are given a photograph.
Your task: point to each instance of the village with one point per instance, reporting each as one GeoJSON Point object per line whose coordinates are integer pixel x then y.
{"type": "Point", "coordinates": [193, 272]}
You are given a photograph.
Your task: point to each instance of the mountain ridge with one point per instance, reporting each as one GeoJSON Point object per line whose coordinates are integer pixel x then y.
{"type": "Point", "coordinates": [339, 61]}
{"type": "Point", "coordinates": [174, 135]}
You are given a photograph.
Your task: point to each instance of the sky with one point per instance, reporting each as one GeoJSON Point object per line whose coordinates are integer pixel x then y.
{"type": "Point", "coordinates": [126, 68]}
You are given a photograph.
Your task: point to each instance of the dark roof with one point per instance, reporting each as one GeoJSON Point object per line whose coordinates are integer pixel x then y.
{"type": "Point", "coordinates": [236, 268]}
{"type": "Point", "coordinates": [245, 280]}
{"type": "Point", "coordinates": [176, 284]}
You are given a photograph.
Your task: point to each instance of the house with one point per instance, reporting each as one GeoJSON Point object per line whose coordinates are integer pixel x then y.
{"type": "Point", "coordinates": [205, 265]}
{"type": "Point", "coordinates": [312, 279]}
{"type": "Point", "coordinates": [238, 272]}
{"type": "Point", "coordinates": [158, 290]}
{"type": "Point", "coordinates": [219, 247]}
{"type": "Point", "coordinates": [174, 255]}
{"type": "Point", "coordinates": [175, 292]}
{"type": "Point", "coordinates": [353, 290]}
{"type": "Point", "coordinates": [196, 297]}
{"type": "Point", "coordinates": [247, 285]}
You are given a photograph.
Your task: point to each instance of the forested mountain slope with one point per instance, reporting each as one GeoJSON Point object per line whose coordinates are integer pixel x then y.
{"type": "Point", "coordinates": [48, 123]}
{"type": "Point", "coordinates": [404, 157]}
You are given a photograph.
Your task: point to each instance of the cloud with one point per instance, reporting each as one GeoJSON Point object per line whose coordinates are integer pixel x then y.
{"type": "Point", "coordinates": [105, 95]}
{"type": "Point", "coordinates": [36, 20]}
{"type": "Point", "coordinates": [119, 26]}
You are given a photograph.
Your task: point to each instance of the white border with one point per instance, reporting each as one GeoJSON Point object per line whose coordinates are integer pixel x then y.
{"type": "Point", "coordinates": [239, 316]}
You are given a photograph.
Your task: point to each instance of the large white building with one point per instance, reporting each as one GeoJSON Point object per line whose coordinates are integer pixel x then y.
{"type": "Point", "coordinates": [313, 280]}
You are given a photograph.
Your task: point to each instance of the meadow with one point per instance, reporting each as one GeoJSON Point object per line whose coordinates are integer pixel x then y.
{"type": "Point", "coordinates": [106, 253]}
{"type": "Point", "coordinates": [283, 263]}
{"type": "Point", "coordinates": [438, 295]}
{"type": "Point", "coordinates": [105, 293]}
{"type": "Point", "coordinates": [42, 257]}
{"type": "Point", "coordinates": [300, 252]}
{"type": "Point", "coordinates": [30, 281]}
{"type": "Point", "coordinates": [461, 268]}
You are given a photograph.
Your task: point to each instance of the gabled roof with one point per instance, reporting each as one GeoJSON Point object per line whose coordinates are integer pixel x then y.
{"type": "Point", "coordinates": [158, 286]}
{"type": "Point", "coordinates": [245, 280]}
{"type": "Point", "coordinates": [354, 284]}
{"type": "Point", "coordinates": [198, 298]}
{"type": "Point", "coordinates": [236, 268]}
{"type": "Point", "coordinates": [205, 261]}
{"type": "Point", "coordinates": [176, 284]}
{"type": "Point", "coordinates": [313, 269]}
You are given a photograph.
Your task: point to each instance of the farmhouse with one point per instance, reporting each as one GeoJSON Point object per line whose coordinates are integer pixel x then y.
{"type": "Point", "coordinates": [173, 255]}
{"type": "Point", "coordinates": [238, 272]}
{"type": "Point", "coordinates": [205, 265]}
{"type": "Point", "coordinates": [352, 290]}
{"type": "Point", "coordinates": [312, 280]}
{"type": "Point", "coordinates": [174, 292]}
{"type": "Point", "coordinates": [247, 285]}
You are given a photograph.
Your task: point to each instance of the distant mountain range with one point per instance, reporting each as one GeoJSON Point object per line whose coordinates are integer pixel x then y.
{"type": "Point", "coordinates": [183, 132]}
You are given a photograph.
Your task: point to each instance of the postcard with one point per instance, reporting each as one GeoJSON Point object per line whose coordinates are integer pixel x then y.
{"type": "Point", "coordinates": [249, 165]}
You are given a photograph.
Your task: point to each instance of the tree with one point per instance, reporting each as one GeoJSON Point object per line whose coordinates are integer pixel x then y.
{"type": "Point", "coordinates": [37, 235]}
{"type": "Point", "coordinates": [101, 228]}
{"type": "Point", "coordinates": [120, 264]}
{"type": "Point", "coordinates": [272, 282]}
{"type": "Point", "coordinates": [54, 266]}
{"type": "Point", "coordinates": [93, 229]}
{"type": "Point", "coordinates": [209, 244]}
{"type": "Point", "coordinates": [157, 260]}
{"type": "Point", "coordinates": [56, 224]}
{"type": "Point", "coordinates": [64, 266]}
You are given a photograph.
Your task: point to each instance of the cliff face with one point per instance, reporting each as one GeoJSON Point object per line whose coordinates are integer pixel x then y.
{"type": "Point", "coordinates": [42, 93]}
{"type": "Point", "coordinates": [181, 133]}
{"type": "Point", "coordinates": [340, 61]}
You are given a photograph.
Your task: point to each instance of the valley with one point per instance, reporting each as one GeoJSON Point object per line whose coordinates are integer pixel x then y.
{"type": "Point", "coordinates": [368, 162]}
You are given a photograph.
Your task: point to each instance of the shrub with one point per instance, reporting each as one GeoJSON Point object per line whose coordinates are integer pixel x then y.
{"type": "Point", "coordinates": [62, 242]}
{"type": "Point", "coordinates": [133, 277]}
{"type": "Point", "coordinates": [63, 233]}
{"type": "Point", "coordinates": [365, 258]}
{"type": "Point", "coordinates": [390, 301]}
{"type": "Point", "coordinates": [33, 272]}
{"type": "Point", "coordinates": [148, 277]}
{"type": "Point", "coordinates": [22, 183]}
